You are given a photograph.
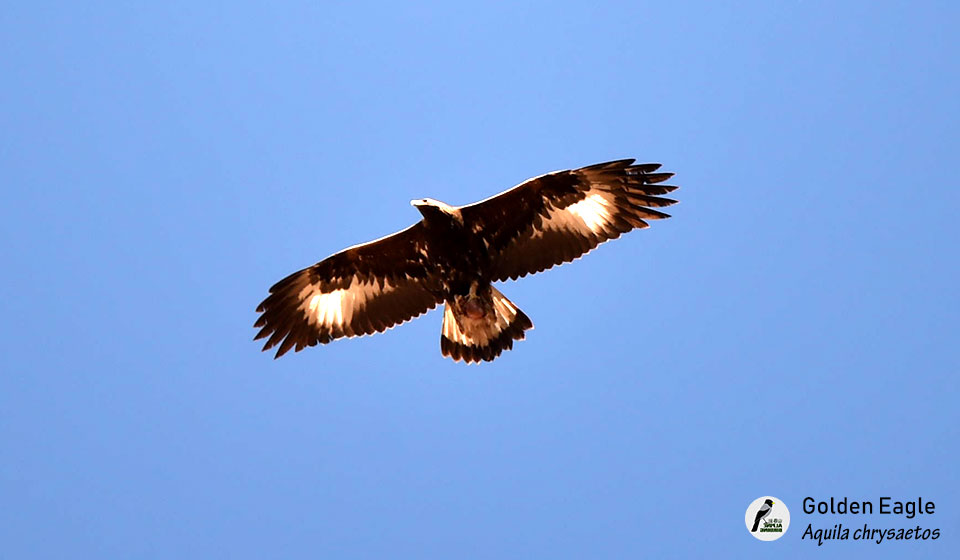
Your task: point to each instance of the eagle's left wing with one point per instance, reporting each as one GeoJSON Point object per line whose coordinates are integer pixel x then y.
{"type": "Point", "coordinates": [365, 289]}
{"type": "Point", "coordinates": [557, 217]}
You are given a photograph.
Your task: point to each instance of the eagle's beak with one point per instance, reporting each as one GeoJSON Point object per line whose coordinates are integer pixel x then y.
{"type": "Point", "coordinates": [414, 202]}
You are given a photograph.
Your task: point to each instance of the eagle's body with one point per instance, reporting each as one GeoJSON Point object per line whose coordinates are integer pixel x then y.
{"type": "Point", "coordinates": [457, 254]}
{"type": "Point", "coordinates": [453, 256]}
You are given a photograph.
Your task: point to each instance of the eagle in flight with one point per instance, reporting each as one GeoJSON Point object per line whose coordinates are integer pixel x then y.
{"type": "Point", "coordinates": [455, 254]}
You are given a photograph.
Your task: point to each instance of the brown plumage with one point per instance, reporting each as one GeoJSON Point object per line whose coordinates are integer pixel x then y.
{"type": "Point", "coordinates": [454, 254]}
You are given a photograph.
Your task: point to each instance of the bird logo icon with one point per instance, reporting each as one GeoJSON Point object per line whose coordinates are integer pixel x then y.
{"type": "Point", "coordinates": [762, 513]}
{"type": "Point", "coordinates": [767, 518]}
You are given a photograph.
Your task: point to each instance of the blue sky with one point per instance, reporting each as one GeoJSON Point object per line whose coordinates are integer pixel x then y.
{"type": "Point", "coordinates": [790, 331]}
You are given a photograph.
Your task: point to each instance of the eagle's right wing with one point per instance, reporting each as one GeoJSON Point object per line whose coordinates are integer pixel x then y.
{"type": "Point", "coordinates": [557, 217]}
{"type": "Point", "coordinates": [362, 290]}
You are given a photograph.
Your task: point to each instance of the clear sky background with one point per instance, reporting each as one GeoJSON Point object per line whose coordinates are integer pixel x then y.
{"type": "Point", "coordinates": [791, 331]}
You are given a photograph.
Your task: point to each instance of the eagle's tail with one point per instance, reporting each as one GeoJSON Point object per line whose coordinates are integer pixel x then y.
{"type": "Point", "coordinates": [481, 326]}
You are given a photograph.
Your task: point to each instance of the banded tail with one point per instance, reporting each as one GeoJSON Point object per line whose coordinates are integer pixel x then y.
{"type": "Point", "coordinates": [482, 326]}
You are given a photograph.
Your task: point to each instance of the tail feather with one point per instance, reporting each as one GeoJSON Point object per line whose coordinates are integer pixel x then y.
{"type": "Point", "coordinates": [473, 339]}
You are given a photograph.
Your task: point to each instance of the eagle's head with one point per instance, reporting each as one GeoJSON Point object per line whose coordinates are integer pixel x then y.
{"type": "Point", "coordinates": [431, 208]}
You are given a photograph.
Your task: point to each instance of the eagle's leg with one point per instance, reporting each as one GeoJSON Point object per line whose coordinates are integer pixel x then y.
{"type": "Point", "coordinates": [474, 309]}
{"type": "Point", "coordinates": [473, 306]}
{"type": "Point", "coordinates": [481, 324]}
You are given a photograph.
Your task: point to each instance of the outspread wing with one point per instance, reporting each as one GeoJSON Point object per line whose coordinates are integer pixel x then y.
{"type": "Point", "coordinates": [557, 217]}
{"type": "Point", "coordinates": [362, 290]}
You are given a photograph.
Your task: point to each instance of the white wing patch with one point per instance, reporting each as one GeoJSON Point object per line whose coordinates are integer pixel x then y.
{"type": "Point", "coordinates": [593, 210]}
{"type": "Point", "coordinates": [590, 215]}
{"type": "Point", "coordinates": [326, 308]}
{"type": "Point", "coordinates": [338, 307]}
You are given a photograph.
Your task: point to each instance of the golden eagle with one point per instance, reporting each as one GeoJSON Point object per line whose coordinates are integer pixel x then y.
{"type": "Point", "coordinates": [454, 255]}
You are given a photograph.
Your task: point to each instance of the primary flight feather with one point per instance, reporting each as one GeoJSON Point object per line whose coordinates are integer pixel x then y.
{"type": "Point", "coordinates": [455, 253]}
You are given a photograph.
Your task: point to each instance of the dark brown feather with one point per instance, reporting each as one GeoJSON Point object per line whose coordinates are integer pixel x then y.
{"type": "Point", "coordinates": [543, 222]}
{"type": "Point", "coordinates": [528, 231]}
{"type": "Point", "coordinates": [393, 263]}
